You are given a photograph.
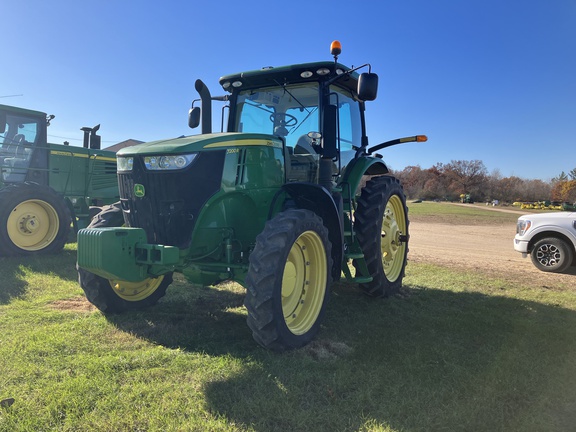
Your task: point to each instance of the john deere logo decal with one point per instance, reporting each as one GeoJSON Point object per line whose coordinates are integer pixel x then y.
{"type": "Point", "coordinates": [139, 190]}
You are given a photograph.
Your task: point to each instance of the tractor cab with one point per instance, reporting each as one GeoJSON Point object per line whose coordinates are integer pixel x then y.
{"type": "Point", "coordinates": [21, 132]}
{"type": "Point", "coordinates": [316, 109]}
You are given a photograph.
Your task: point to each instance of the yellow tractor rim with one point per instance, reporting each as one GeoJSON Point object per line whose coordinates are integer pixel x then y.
{"type": "Point", "coordinates": [136, 291]}
{"type": "Point", "coordinates": [304, 282]}
{"type": "Point", "coordinates": [393, 243]}
{"type": "Point", "coordinates": [33, 225]}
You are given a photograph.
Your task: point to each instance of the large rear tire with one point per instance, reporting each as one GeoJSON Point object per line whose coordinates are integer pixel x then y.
{"type": "Point", "coordinates": [33, 219]}
{"type": "Point", "coordinates": [288, 280]}
{"type": "Point", "coordinates": [115, 296]}
{"type": "Point", "coordinates": [381, 226]}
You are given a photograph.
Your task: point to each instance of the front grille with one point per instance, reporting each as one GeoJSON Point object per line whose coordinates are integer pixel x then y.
{"type": "Point", "coordinates": [172, 199]}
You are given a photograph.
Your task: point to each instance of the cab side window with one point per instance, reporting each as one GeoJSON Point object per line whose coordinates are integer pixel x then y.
{"type": "Point", "coordinates": [349, 120]}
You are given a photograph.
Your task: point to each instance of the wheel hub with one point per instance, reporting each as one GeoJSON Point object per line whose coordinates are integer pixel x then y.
{"type": "Point", "coordinates": [391, 235]}
{"type": "Point", "coordinates": [548, 255]}
{"type": "Point", "coordinates": [303, 283]}
{"type": "Point", "coordinates": [29, 224]}
{"type": "Point", "coordinates": [136, 291]}
{"type": "Point", "coordinates": [32, 225]}
{"type": "Point", "coordinates": [393, 238]}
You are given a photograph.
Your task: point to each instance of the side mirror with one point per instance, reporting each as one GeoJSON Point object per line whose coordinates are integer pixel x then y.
{"type": "Point", "coordinates": [194, 117]}
{"type": "Point", "coordinates": [367, 86]}
{"type": "Point", "coordinates": [2, 121]}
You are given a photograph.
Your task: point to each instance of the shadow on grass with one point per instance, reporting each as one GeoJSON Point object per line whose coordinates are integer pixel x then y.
{"type": "Point", "coordinates": [13, 271]}
{"type": "Point", "coordinates": [434, 360]}
{"type": "Point", "coordinates": [196, 319]}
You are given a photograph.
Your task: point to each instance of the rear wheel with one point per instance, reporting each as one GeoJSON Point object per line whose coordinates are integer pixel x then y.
{"type": "Point", "coordinates": [381, 226]}
{"type": "Point", "coordinates": [114, 296]}
{"type": "Point", "coordinates": [34, 219]}
{"type": "Point", "coordinates": [552, 254]}
{"type": "Point", "coordinates": [288, 280]}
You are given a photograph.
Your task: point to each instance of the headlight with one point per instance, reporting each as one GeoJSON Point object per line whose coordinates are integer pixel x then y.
{"type": "Point", "coordinates": [168, 162]}
{"type": "Point", "coordinates": [522, 226]}
{"type": "Point", "coordinates": [125, 163]}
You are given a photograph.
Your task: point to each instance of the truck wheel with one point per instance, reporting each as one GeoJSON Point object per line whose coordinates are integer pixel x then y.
{"type": "Point", "coordinates": [33, 219]}
{"type": "Point", "coordinates": [552, 254]}
{"type": "Point", "coordinates": [115, 296]}
{"type": "Point", "coordinates": [288, 280]}
{"type": "Point", "coordinates": [381, 226]}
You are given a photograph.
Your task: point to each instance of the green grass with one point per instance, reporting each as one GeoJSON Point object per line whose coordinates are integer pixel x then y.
{"type": "Point", "coordinates": [462, 215]}
{"type": "Point", "coordinates": [456, 352]}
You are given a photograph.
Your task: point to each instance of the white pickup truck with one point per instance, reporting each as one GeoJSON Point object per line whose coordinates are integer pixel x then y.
{"type": "Point", "coordinates": [550, 239]}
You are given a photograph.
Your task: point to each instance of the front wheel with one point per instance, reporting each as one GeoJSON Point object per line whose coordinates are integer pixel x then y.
{"type": "Point", "coordinates": [115, 296]}
{"type": "Point", "coordinates": [551, 254]}
{"type": "Point", "coordinates": [288, 280]}
{"type": "Point", "coordinates": [381, 226]}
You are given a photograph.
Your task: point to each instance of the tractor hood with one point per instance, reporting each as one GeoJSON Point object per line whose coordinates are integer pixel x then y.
{"type": "Point", "coordinates": [198, 143]}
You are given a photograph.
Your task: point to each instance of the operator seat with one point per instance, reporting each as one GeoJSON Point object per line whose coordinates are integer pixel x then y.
{"type": "Point", "coordinates": [18, 142]}
{"type": "Point", "coordinates": [15, 164]}
{"type": "Point", "coordinates": [11, 146]}
{"type": "Point", "coordinates": [304, 146]}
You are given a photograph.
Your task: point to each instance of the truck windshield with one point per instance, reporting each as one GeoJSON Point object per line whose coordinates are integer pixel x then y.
{"type": "Point", "coordinates": [289, 112]}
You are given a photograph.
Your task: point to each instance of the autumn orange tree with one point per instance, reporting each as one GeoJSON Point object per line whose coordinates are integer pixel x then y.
{"type": "Point", "coordinates": [564, 191]}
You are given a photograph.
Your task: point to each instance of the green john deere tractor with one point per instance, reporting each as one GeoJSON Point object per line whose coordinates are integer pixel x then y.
{"type": "Point", "coordinates": [282, 203]}
{"type": "Point", "coordinates": [45, 189]}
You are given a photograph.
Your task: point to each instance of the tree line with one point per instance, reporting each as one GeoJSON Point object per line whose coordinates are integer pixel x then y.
{"type": "Point", "coordinates": [449, 181]}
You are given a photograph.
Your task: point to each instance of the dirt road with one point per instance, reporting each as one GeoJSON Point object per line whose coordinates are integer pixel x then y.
{"type": "Point", "coordinates": [485, 248]}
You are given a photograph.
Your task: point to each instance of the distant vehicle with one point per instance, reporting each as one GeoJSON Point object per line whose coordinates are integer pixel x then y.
{"type": "Point", "coordinates": [46, 188]}
{"type": "Point", "coordinates": [550, 239]}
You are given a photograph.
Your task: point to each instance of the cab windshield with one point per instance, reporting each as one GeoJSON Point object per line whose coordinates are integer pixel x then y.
{"type": "Point", "coordinates": [290, 112]}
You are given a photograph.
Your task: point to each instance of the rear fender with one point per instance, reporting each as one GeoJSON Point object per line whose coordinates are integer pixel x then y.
{"type": "Point", "coordinates": [357, 169]}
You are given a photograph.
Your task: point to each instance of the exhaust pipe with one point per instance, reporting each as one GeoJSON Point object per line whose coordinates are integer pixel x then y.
{"type": "Point", "coordinates": [91, 140]}
{"type": "Point", "coordinates": [206, 106]}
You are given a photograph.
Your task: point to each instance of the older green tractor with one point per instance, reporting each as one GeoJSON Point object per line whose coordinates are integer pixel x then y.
{"type": "Point", "coordinates": [45, 189]}
{"type": "Point", "coordinates": [286, 200]}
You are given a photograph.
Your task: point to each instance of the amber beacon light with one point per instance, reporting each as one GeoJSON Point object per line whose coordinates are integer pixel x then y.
{"type": "Point", "coordinates": [335, 49]}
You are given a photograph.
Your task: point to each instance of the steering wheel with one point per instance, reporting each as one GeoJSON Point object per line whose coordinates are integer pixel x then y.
{"type": "Point", "coordinates": [284, 119]}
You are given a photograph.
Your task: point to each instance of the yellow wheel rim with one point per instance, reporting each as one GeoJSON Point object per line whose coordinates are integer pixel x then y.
{"type": "Point", "coordinates": [33, 225]}
{"type": "Point", "coordinates": [304, 282]}
{"type": "Point", "coordinates": [393, 242]}
{"type": "Point", "coordinates": [136, 291]}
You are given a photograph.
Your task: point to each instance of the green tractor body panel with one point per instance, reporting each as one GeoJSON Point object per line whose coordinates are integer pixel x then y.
{"type": "Point", "coordinates": [84, 176]}
{"type": "Point", "coordinates": [81, 176]}
{"type": "Point", "coordinates": [233, 200]}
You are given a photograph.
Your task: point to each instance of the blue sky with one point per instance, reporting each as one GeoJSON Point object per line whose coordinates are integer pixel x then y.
{"type": "Point", "coordinates": [485, 79]}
